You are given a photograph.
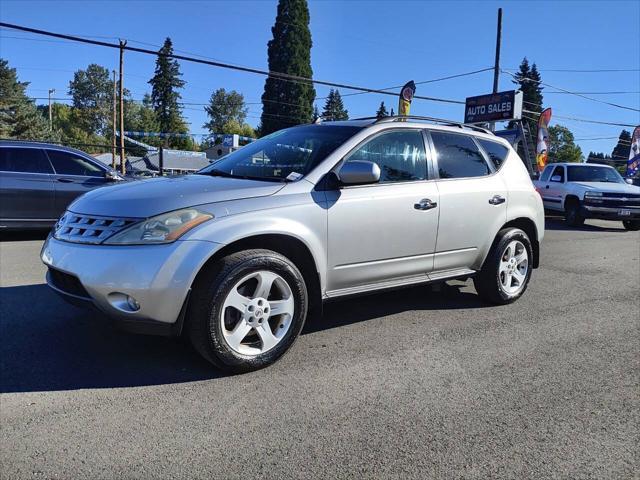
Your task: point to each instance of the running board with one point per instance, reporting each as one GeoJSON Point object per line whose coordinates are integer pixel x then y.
{"type": "Point", "coordinates": [403, 282]}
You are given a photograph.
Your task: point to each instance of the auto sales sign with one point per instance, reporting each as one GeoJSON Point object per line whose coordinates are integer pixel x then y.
{"type": "Point", "coordinates": [494, 107]}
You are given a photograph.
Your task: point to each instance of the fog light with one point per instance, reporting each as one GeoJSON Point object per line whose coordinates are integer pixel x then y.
{"type": "Point", "coordinates": [133, 303]}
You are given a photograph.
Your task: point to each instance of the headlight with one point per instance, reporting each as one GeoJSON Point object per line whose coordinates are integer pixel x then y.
{"type": "Point", "coordinates": [164, 228]}
{"type": "Point", "coordinates": [592, 194]}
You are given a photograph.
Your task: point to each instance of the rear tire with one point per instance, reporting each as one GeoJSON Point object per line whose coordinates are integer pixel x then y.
{"type": "Point", "coordinates": [232, 320]}
{"type": "Point", "coordinates": [506, 272]}
{"type": "Point", "coordinates": [572, 214]}
{"type": "Point", "coordinates": [631, 225]}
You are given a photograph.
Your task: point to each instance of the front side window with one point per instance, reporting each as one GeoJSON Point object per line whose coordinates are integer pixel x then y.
{"type": "Point", "coordinates": [589, 173]}
{"type": "Point", "coordinates": [546, 174]}
{"type": "Point", "coordinates": [24, 160]}
{"type": "Point", "coordinates": [558, 172]}
{"type": "Point", "coordinates": [400, 154]}
{"type": "Point", "coordinates": [285, 154]}
{"type": "Point", "coordinates": [67, 163]}
{"type": "Point", "coordinates": [458, 156]}
{"type": "Point", "coordinates": [497, 152]}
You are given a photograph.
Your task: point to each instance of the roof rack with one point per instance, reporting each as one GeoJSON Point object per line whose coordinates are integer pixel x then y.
{"type": "Point", "coordinates": [439, 121]}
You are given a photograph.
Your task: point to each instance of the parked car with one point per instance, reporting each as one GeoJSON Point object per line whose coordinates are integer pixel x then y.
{"type": "Point", "coordinates": [39, 180]}
{"type": "Point", "coordinates": [238, 254]}
{"type": "Point", "coordinates": [582, 191]}
{"type": "Point", "coordinates": [634, 179]}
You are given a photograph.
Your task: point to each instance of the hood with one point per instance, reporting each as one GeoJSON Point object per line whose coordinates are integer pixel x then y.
{"type": "Point", "coordinates": [610, 187]}
{"type": "Point", "coordinates": [145, 198]}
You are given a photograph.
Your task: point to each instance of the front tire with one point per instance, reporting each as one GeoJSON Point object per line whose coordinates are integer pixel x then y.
{"type": "Point", "coordinates": [631, 225]}
{"type": "Point", "coordinates": [247, 310]}
{"type": "Point", "coordinates": [572, 214]}
{"type": "Point", "coordinates": [506, 272]}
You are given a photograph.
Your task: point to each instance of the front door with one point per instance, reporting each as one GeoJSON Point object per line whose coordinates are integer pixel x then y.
{"type": "Point", "coordinates": [552, 190]}
{"type": "Point", "coordinates": [74, 175]}
{"type": "Point", "coordinates": [387, 231]}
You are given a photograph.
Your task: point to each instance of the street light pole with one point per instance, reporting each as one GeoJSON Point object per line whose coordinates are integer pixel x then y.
{"type": "Point", "coordinates": [51, 91]}
{"type": "Point", "coordinates": [496, 68]}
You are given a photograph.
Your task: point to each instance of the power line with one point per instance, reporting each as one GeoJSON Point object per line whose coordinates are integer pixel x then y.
{"type": "Point", "coordinates": [585, 120]}
{"type": "Point", "coordinates": [276, 75]}
{"type": "Point", "coordinates": [598, 70]}
{"type": "Point", "coordinates": [517, 77]}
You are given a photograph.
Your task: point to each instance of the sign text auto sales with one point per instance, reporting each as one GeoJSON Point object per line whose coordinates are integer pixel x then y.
{"type": "Point", "coordinates": [493, 107]}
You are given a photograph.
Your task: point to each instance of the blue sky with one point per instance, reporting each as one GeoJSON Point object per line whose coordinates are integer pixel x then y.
{"type": "Point", "coordinates": [370, 43]}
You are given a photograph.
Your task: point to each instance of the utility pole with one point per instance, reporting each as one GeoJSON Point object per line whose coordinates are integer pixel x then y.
{"type": "Point", "coordinates": [51, 91]}
{"type": "Point", "coordinates": [113, 141]}
{"type": "Point", "coordinates": [122, 158]}
{"type": "Point", "coordinates": [496, 68]}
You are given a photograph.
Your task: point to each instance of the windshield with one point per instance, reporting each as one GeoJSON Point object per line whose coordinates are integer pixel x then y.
{"type": "Point", "coordinates": [593, 173]}
{"type": "Point", "coordinates": [284, 155]}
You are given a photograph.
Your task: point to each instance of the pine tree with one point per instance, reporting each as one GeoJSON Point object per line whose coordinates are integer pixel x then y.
{"type": "Point", "coordinates": [225, 108]}
{"type": "Point", "coordinates": [334, 108]}
{"type": "Point", "coordinates": [528, 80]}
{"type": "Point", "coordinates": [382, 111]}
{"type": "Point", "coordinates": [19, 117]}
{"type": "Point", "coordinates": [286, 103]}
{"type": "Point", "coordinates": [392, 114]}
{"type": "Point", "coordinates": [316, 114]}
{"type": "Point", "coordinates": [165, 96]}
{"type": "Point", "coordinates": [623, 147]}
{"type": "Point", "coordinates": [92, 93]}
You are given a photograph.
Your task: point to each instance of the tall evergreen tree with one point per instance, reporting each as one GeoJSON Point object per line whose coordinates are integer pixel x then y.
{"type": "Point", "coordinates": [528, 80]}
{"type": "Point", "coordinates": [334, 108]}
{"type": "Point", "coordinates": [316, 114]}
{"type": "Point", "coordinates": [165, 84]}
{"type": "Point", "coordinates": [286, 103]}
{"type": "Point", "coordinates": [19, 117]}
{"type": "Point", "coordinates": [382, 111]}
{"type": "Point", "coordinates": [623, 147]}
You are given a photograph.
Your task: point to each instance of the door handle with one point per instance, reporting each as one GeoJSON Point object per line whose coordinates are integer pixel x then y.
{"type": "Point", "coordinates": [497, 200]}
{"type": "Point", "coordinates": [65, 180]}
{"type": "Point", "coordinates": [547, 186]}
{"type": "Point", "coordinates": [425, 204]}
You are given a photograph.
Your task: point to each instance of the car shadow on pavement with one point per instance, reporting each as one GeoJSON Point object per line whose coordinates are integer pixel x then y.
{"type": "Point", "coordinates": [48, 345]}
{"type": "Point", "coordinates": [558, 224]}
{"type": "Point", "coordinates": [23, 236]}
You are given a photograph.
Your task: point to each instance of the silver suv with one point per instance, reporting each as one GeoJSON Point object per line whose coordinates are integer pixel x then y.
{"type": "Point", "coordinates": [239, 254]}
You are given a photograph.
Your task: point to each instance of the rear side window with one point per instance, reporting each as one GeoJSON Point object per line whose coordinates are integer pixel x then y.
{"type": "Point", "coordinates": [400, 154]}
{"type": "Point", "coordinates": [458, 156]}
{"type": "Point", "coordinates": [497, 153]}
{"type": "Point", "coordinates": [66, 163]}
{"type": "Point", "coordinates": [25, 160]}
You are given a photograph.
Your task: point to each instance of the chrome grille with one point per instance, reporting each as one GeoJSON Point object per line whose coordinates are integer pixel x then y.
{"type": "Point", "coordinates": [74, 227]}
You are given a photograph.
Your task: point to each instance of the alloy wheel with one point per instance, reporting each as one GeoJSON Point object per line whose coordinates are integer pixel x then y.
{"type": "Point", "coordinates": [257, 313]}
{"type": "Point", "coordinates": [513, 268]}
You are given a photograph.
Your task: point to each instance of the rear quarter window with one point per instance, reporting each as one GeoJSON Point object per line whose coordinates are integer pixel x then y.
{"type": "Point", "coordinates": [458, 156]}
{"type": "Point", "coordinates": [24, 160]}
{"type": "Point", "coordinates": [496, 152]}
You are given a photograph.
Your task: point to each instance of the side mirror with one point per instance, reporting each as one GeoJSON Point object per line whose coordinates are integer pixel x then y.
{"type": "Point", "coordinates": [111, 176]}
{"type": "Point", "coordinates": [556, 178]}
{"type": "Point", "coordinates": [359, 172]}
{"type": "Point", "coordinates": [629, 181]}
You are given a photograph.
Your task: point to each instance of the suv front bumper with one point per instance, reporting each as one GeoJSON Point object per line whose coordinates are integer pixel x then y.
{"type": "Point", "coordinates": [611, 213]}
{"type": "Point", "coordinates": [158, 277]}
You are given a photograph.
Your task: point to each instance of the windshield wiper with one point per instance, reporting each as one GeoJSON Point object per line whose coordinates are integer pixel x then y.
{"type": "Point", "coordinates": [221, 173]}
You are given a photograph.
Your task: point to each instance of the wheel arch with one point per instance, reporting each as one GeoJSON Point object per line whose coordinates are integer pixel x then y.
{"type": "Point", "coordinates": [528, 226]}
{"type": "Point", "coordinates": [290, 246]}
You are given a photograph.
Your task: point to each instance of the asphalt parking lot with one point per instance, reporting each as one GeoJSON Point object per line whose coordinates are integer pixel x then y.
{"type": "Point", "coordinates": [409, 384]}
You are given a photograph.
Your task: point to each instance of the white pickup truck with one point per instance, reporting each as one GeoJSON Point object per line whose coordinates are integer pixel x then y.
{"type": "Point", "coordinates": [584, 191]}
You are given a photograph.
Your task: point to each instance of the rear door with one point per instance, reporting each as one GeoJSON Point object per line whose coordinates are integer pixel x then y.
{"type": "Point", "coordinates": [74, 175]}
{"type": "Point", "coordinates": [473, 201]}
{"type": "Point", "coordinates": [26, 186]}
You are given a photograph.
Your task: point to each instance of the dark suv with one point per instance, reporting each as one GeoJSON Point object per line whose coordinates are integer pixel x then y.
{"type": "Point", "coordinates": [39, 180]}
